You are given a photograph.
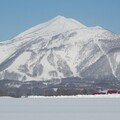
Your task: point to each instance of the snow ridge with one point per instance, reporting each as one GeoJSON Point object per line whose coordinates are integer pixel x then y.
{"type": "Point", "coordinates": [104, 53]}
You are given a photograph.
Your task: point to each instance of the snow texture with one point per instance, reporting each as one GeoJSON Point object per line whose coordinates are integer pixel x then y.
{"type": "Point", "coordinates": [61, 48]}
{"type": "Point", "coordinates": [60, 109]}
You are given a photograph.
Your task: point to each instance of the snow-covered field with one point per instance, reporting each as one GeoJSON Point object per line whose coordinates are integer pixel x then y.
{"type": "Point", "coordinates": [61, 108]}
{"type": "Point", "coordinates": [80, 96]}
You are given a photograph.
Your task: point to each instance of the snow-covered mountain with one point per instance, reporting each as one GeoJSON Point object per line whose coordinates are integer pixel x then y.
{"type": "Point", "coordinates": [61, 48]}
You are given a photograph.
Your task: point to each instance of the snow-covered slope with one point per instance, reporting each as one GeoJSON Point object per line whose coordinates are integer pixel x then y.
{"type": "Point", "coordinates": [61, 48]}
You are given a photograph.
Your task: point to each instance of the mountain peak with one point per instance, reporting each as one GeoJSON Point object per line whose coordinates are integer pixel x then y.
{"type": "Point", "coordinates": [59, 17]}
{"type": "Point", "coordinates": [58, 24]}
{"type": "Point", "coordinates": [68, 21]}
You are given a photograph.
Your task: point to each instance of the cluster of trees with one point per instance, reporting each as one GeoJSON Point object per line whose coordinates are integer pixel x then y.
{"type": "Point", "coordinates": [71, 86]}
{"type": "Point", "coordinates": [17, 92]}
{"type": "Point", "coordinates": [65, 91]}
{"type": "Point", "coordinates": [3, 92]}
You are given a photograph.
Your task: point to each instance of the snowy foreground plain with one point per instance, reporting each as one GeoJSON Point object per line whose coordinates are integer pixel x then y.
{"type": "Point", "coordinates": [105, 107]}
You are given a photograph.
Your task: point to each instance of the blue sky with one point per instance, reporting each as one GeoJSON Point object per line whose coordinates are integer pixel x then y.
{"type": "Point", "coordinates": [19, 15]}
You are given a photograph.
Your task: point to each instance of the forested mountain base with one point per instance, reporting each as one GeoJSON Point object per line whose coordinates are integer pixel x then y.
{"type": "Point", "coordinates": [68, 86]}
